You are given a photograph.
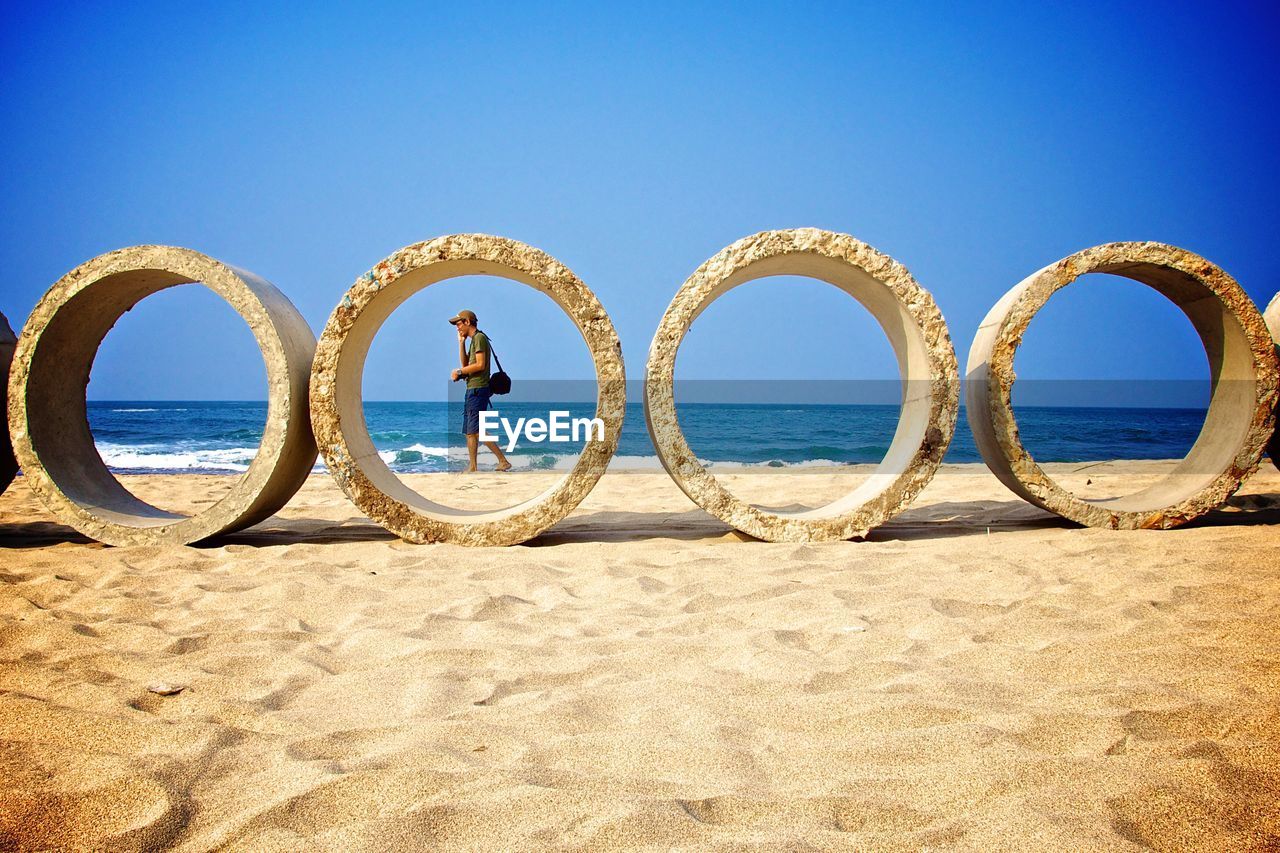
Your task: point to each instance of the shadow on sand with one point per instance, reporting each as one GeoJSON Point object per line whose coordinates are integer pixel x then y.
{"type": "Point", "coordinates": [933, 521]}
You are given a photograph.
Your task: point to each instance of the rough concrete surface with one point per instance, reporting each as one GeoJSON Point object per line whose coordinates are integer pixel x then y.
{"type": "Point", "coordinates": [1242, 363]}
{"type": "Point", "coordinates": [1272, 318]}
{"type": "Point", "coordinates": [8, 464]}
{"type": "Point", "coordinates": [337, 411]}
{"type": "Point", "coordinates": [926, 361]}
{"type": "Point", "coordinates": [51, 365]}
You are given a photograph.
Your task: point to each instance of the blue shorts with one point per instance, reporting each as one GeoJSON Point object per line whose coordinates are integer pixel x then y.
{"type": "Point", "coordinates": [477, 400]}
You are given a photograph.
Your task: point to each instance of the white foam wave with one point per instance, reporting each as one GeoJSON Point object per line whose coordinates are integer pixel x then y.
{"type": "Point", "coordinates": [774, 463]}
{"type": "Point", "coordinates": [428, 451]}
{"type": "Point", "coordinates": [150, 457]}
{"type": "Point", "coordinates": [155, 457]}
{"type": "Point", "coordinates": [652, 463]}
{"type": "Point", "coordinates": [390, 456]}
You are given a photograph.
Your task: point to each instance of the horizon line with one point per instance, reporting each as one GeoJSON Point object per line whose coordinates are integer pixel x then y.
{"type": "Point", "coordinates": [716, 403]}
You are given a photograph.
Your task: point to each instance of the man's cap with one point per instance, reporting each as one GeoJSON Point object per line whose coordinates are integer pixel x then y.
{"type": "Point", "coordinates": [469, 316]}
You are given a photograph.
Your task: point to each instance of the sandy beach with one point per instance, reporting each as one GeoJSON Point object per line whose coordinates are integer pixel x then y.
{"type": "Point", "coordinates": [977, 674]}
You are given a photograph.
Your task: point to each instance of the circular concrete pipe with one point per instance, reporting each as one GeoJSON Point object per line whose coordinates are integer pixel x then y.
{"type": "Point", "coordinates": [1272, 318]}
{"type": "Point", "coordinates": [337, 410]}
{"type": "Point", "coordinates": [51, 367]}
{"type": "Point", "coordinates": [8, 464]}
{"type": "Point", "coordinates": [1242, 366]}
{"type": "Point", "coordinates": [926, 361]}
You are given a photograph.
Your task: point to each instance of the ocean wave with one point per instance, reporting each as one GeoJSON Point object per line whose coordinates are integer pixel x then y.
{"type": "Point", "coordinates": [652, 463]}
{"type": "Point", "coordinates": [416, 458]}
{"type": "Point", "coordinates": [415, 454]}
{"type": "Point", "coordinates": [123, 457]}
{"type": "Point", "coordinates": [774, 463]}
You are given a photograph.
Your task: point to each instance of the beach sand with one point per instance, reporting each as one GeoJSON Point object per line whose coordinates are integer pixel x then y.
{"type": "Point", "coordinates": [977, 674]}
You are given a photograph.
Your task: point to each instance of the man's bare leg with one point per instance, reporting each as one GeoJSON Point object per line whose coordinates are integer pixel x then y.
{"type": "Point", "coordinates": [503, 464]}
{"type": "Point", "coordinates": [473, 445]}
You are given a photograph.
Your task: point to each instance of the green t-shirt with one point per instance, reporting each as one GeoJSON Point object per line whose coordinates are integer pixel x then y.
{"type": "Point", "coordinates": [479, 343]}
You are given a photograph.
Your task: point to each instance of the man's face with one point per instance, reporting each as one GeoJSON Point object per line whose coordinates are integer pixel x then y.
{"type": "Point", "coordinates": [464, 327]}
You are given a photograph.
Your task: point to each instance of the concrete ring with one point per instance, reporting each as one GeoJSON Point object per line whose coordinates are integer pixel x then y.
{"type": "Point", "coordinates": [926, 361]}
{"type": "Point", "coordinates": [8, 464]}
{"type": "Point", "coordinates": [1272, 318]}
{"type": "Point", "coordinates": [1242, 366]}
{"type": "Point", "coordinates": [337, 413]}
{"type": "Point", "coordinates": [51, 365]}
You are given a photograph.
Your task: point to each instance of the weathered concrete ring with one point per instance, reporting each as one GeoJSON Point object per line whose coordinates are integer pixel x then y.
{"type": "Point", "coordinates": [1242, 366]}
{"type": "Point", "coordinates": [337, 412]}
{"type": "Point", "coordinates": [926, 361]}
{"type": "Point", "coordinates": [8, 464]}
{"type": "Point", "coordinates": [51, 367]}
{"type": "Point", "coordinates": [1272, 318]}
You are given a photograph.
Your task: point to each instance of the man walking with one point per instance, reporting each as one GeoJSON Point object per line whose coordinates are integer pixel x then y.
{"type": "Point", "coordinates": [475, 371]}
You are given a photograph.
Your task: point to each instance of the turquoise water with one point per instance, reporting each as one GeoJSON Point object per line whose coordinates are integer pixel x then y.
{"type": "Point", "coordinates": [222, 437]}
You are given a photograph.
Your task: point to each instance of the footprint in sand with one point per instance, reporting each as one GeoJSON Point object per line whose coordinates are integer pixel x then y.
{"type": "Point", "coordinates": [846, 814]}
{"type": "Point", "coordinates": [958, 609]}
{"type": "Point", "coordinates": [187, 645]}
{"type": "Point", "coordinates": [500, 607]}
{"type": "Point", "coordinates": [127, 814]}
{"type": "Point", "coordinates": [345, 745]}
{"type": "Point", "coordinates": [651, 585]}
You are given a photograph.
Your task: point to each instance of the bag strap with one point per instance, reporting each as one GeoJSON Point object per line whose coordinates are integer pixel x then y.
{"type": "Point", "coordinates": [494, 351]}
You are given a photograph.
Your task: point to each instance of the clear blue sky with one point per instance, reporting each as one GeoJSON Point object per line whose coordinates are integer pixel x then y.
{"type": "Point", "coordinates": [974, 145]}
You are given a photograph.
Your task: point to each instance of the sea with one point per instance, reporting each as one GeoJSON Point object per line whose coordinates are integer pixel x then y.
{"type": "Point", "coordinates": [175, 437]}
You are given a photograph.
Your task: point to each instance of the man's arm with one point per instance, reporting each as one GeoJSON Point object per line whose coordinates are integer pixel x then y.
{"type": "Point", "coordinates": [462, 350]}
{"type": "Point", "coordinates": [478, 365]}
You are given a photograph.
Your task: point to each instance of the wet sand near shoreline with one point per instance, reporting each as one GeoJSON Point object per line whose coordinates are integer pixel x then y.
{"type": "Point", "coordinates": [977, 673]}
